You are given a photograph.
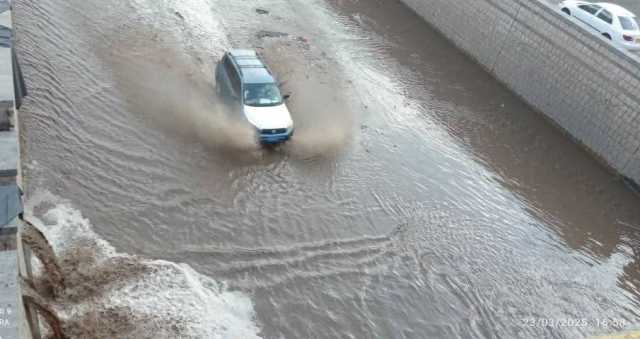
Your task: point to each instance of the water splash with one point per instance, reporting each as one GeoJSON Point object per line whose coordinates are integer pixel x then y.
{"type": "Point", "coordinates": [40, 247]}
{"type": "Point", "coordinates": [115, 295]}
{"type": "Point", "coordinates": [169, 82]}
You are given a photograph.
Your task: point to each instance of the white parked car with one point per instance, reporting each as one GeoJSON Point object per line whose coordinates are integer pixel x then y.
{"type": "Point", "coordinates": [611, 21]}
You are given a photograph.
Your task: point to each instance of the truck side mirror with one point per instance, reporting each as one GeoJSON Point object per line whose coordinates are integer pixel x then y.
{"type": "Point", "coordinates": [286, 97]}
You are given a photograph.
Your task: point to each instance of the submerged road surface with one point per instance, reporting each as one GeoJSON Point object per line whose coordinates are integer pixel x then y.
{"type": "Point", "coordinates": [419, 198]}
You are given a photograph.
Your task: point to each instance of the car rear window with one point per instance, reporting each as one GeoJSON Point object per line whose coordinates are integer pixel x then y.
{"type": "Point", "coordinates": [628, 23]}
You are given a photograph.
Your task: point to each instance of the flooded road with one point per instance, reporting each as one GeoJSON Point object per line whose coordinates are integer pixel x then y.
{"type": "Point", "coordinates": [419, 198]}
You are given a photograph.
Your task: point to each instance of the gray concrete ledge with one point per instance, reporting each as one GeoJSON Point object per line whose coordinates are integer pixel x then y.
{"type": "Point", "coordinates": [12, 319]}
{"type": "Point", "coordinates": [8, 294]}
{"type": "Point", "coordinates": [8, 152]}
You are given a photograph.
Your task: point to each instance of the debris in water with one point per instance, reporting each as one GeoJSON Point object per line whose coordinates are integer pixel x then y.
{"type": "Point", "coordinates": [271, 34]}
{"type": "Point", "coordinates": [262, 11]}
{"type": "Point", "coordinates": [304, 41]}
{"type": "Point", "coordinates": [179, 15]}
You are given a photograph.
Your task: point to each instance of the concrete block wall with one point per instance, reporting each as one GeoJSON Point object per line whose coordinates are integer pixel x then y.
{"type": "Point", "coordinates": [577, 79]}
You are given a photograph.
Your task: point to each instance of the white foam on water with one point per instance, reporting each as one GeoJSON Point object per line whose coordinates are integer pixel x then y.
{"type": "Point", "coordinates": [180, 292]}
{"type": "Point", "coordinates": [63, 225]}
{"type": "Point", "coordinates": [168, 299]}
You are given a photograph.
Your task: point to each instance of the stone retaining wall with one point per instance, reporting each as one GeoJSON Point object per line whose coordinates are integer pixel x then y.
{"type": "Point", "coordinates": [577, 79]}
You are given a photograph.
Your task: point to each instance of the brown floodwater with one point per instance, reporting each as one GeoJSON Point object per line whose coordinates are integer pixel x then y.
{"type": "Point", "coordinates": [419, 198]}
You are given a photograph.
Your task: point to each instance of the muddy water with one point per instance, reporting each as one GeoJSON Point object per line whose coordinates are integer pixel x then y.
{"type": "Point", "coordinates": [419, 198]}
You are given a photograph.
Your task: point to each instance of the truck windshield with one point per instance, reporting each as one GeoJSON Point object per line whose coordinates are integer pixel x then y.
{"type": "Point", "coordinates": [259, 95]}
